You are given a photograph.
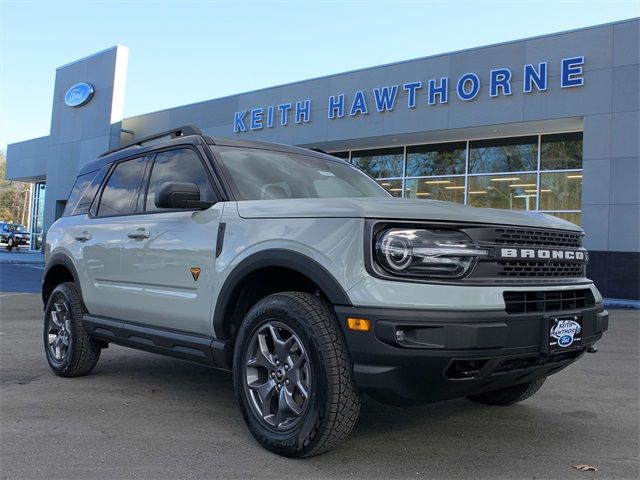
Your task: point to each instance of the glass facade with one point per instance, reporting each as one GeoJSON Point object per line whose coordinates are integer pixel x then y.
{"type": "Point", "coordinates": [37, 215]}
{"type": "Point", "coordinates": [382, 163]}
{"type": "Point", "coordinates": [536, 172]}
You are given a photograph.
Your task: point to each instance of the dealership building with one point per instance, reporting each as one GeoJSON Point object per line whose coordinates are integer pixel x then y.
{"type": "Point", "coordinates": [548, 124]}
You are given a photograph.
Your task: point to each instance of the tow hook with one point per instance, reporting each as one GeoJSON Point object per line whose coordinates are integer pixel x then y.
{"type": "Point", "coordinates": [592, 350]}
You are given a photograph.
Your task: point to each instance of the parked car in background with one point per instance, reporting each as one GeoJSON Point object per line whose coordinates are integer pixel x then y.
{"type": "Point", "coordinates": [13, 235]}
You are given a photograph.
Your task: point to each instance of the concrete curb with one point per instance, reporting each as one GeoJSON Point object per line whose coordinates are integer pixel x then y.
{"type": "Point", "coordinates": [621, 303]}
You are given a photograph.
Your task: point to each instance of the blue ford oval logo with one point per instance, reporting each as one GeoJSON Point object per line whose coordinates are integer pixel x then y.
{"type": "Point", "coordinates": [79, 94]}
{"type": "Point", "coordinates": [565, 340]}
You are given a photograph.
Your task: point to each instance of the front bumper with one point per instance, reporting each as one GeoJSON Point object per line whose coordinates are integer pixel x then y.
{"type": "Point", "coordinates": [446, 354]}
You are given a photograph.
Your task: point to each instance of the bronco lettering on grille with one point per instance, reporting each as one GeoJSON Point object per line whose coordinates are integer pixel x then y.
{"type": "Point", "coordinates": [544, 254]}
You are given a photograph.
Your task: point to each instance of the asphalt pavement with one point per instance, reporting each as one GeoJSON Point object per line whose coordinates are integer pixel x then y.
{"type": "Point", "coordinates": [139, 415]}
{"type": "Point", "coordinates": [25, 278]}
{"type": "Point", "coordinates": [20, 270]}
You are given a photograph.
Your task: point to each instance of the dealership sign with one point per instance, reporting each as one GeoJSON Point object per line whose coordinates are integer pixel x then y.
{"type": "Point", "coordinates": [78, 95]}
{"type": "Point", "coordinates": [385, 98]}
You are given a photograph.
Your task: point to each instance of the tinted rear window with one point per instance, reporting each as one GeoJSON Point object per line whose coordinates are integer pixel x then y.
{"type": "Point", "coordinates": [83, 182]}
{"type": "Point", "coordinates": [121, 191]}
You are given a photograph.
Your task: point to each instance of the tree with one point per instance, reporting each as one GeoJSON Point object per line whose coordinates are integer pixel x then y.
{"type": "Point", "coordinates": [14, 197]}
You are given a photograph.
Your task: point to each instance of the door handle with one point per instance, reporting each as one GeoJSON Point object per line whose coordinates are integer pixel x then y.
{"type": "Point", "coordinates": [83, 237]}
{"type": "Point", "coordinates": [138, 234]}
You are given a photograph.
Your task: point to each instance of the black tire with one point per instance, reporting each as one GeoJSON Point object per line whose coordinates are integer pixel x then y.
{"type": "Point", "coordinates": [509, 395]}
{"type": "Point", "coordinates": [81, 353]}
{"type": "Point", "coordinates": [10, 244]}
{"type": "Point", "coordinates": [331, 406]}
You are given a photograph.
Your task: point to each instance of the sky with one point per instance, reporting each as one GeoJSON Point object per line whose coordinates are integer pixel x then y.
{"type": "Point", "coordinates": [183, 52]}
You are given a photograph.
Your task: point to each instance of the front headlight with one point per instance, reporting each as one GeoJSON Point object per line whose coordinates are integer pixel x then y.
{"type": "Point", "coordinates": [424, 253]}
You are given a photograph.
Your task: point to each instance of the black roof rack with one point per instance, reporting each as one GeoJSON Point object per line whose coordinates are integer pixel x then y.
{"type": "Point", "coordinates": [173, 133]}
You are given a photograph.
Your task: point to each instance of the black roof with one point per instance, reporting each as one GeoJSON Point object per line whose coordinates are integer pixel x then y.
{"type": "Point", "coordinates": [188, 135]}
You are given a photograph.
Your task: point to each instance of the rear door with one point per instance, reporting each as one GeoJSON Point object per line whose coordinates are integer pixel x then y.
{"type": "Point", "coordinates": [168, 255]}
{"type": "Point", "coordinates": [97, 239]}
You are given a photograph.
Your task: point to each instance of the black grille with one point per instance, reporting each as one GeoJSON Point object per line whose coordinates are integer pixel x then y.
{"type": "Point", "coordinates": [547, 301]}
{"type": "Point", "coordinates": [540, 238]}
{"type": "Point", "coordinates": [540, 269]}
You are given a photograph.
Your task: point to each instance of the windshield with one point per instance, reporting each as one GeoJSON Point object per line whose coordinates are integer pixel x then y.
{"type": "Point", "coordinates": [256, 174]}
{"type": "Point", "coordinates": [15, 227]}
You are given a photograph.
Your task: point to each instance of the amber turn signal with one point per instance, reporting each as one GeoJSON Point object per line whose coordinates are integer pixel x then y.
{"type": "Point", "coordinates": [361, 324]}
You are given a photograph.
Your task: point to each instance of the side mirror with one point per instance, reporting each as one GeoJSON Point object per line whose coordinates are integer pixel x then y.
{"type": "Point", "coordinates": [180, 195]}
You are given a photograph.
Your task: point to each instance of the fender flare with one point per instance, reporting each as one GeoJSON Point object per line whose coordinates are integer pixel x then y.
{"type": "Point", "coordinates": [277, 258]}
{"type": "Point", "coordinates": [60, 259]}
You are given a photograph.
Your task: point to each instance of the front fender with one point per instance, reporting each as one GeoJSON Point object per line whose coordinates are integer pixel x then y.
{"type": "Point", "coordinates": [277, 258]}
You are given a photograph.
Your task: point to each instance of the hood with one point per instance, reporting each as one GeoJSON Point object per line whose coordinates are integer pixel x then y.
{"type": "Point", "coordinates": [396, 208]}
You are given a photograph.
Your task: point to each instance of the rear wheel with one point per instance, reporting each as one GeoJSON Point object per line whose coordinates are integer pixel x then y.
{"type": "Point", "coordinates": [10, 244]}
{"type": "Point", "coordinates": [509, 395]}
{"type": "Point", "coordinates": [70, 351]}
{"type": "Point", "coordinates": [293, 375]}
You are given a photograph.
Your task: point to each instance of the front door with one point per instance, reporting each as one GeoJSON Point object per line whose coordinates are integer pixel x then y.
{"type": "Point", "coordinates": [168, 255]}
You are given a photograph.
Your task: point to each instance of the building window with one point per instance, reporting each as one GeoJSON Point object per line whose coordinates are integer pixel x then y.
{"type": "Point", "coordinates": [537, 172]}
{"type": "Point", "coordinates": [518, 154]}
{"type": "Point", "coordinates": [37, 215]}
{"type": "Point", "coordinates": [381, 163]}
{"type": "Point", "coordinates": [561, 151]}
{"type": "Point", "coordinates": [504, 191]}
{"type": "Point", "coordinates": [560, 191]}
{"type": "Point", "coordinates": [451, 189]}
{"type": "Point", "coordinates": [436, 159]}
{"type": "Point", "coordinates": [394, 187]}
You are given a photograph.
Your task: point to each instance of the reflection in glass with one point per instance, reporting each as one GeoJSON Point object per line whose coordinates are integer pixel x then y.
{"type": "Point", "coordinates": [503, 155]}
{"type": "Point", "coordinates": [394, 187]}
{"type": "Point", "coordinates": [380, 163]}
{"type": "Point", "coordinates": [560, 191]}
{"type": "Point", "coordinates": [503, 191]}
{"type": "Point", "coordinates": [436, 159]}
{"type": "Point", "coordinates": [561, 151]}
{"type": "Point", "coordinates": [450, 189]}
{"type": "Point", "coordinates": [121, 188]}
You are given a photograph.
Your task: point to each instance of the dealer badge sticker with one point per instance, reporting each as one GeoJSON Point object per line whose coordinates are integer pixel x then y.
{"type": "Point", "coordinates": [565, 332]}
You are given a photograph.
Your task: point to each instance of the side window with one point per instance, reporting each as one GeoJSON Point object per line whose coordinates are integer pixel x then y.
{"type": "Point", "coordinates": [120, 192]}
{"type": "Point", "coordinates": [183, 165]}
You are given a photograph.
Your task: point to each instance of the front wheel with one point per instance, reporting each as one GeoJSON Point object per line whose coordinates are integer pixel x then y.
{"type": "Point", "coordinates": [10, 244]}
{"type": "Point", "coordinates": [509, 395]}
{"type": "Point", "coordinates": [293, 375]}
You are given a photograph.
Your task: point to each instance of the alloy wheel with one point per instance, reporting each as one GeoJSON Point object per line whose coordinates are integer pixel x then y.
{"type": "Point", "coordinates": [277, 375]}
{"type": "Point", "coordinates": [59, 330]}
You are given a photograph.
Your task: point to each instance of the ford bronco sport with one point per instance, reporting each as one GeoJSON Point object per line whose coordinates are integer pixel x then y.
{"type": "Point", "coordinates": [311, 283]}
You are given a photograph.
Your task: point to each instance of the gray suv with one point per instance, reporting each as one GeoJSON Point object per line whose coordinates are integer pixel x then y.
{"type": "Point", "coordinates": [311, 283]}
